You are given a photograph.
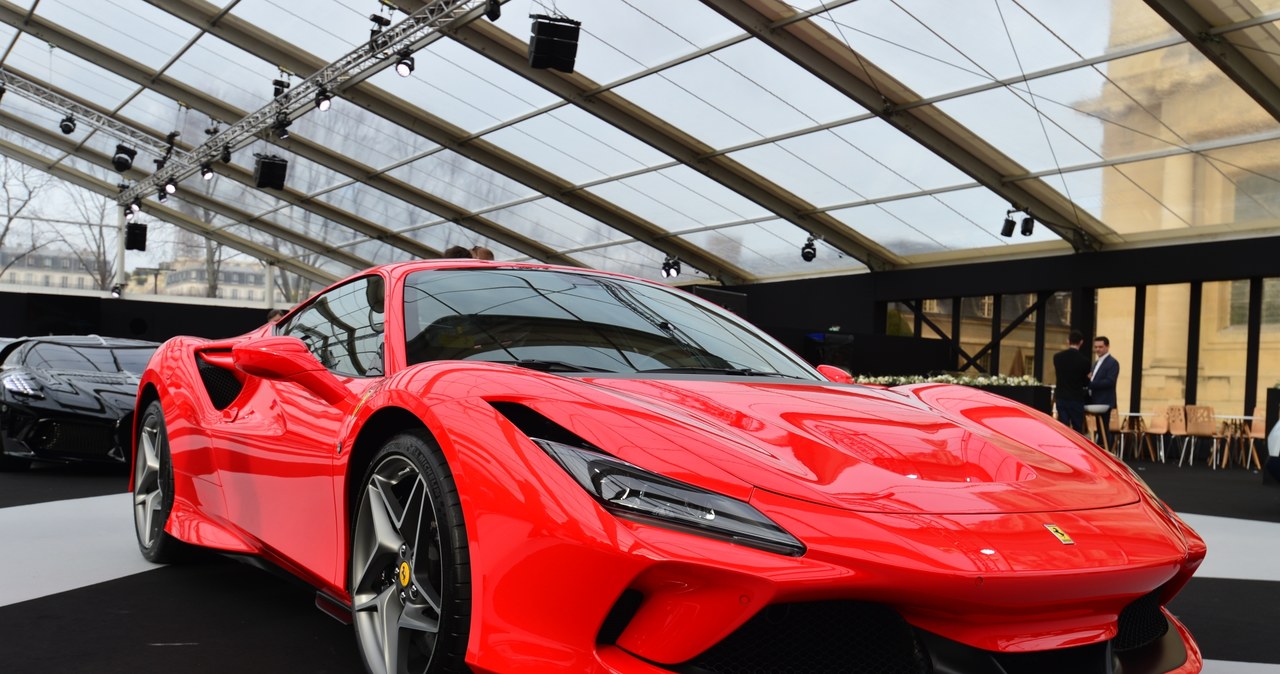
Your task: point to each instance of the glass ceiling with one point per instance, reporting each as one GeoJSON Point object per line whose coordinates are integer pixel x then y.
{"type": "Point", "coordinates": [895, 132]}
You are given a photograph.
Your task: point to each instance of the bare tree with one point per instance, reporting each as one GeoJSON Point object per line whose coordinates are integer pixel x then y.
{"type": "Point", "coordinates": [22, 185]}
{"type": "Point", "coordinates": [90, 241]}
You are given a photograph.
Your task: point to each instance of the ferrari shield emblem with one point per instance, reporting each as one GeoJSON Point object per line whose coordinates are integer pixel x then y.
{"type": "Point", "coordinates": [1062, 535]}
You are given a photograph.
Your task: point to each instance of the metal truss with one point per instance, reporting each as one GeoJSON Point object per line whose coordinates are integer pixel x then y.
{"type": "Point", "coordinates": [357, 65]}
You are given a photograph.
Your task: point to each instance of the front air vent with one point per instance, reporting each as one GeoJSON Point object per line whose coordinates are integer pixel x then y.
{"type": "Point", "coordinates": [535, 425]}
{"type": "Point", "coordinates": [221, 384]}
{"type": "Point", "coordinates": [1141, 623]}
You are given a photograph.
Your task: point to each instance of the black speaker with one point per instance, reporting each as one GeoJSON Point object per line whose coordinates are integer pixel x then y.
{"type": "Point", "coordinates": [554, 43]}
{"type": "Point", "coordinates": [135, 236]}
{"type": "Point", "coordinates": [269, 171]}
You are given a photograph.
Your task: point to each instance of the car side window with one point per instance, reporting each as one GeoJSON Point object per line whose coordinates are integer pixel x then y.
{"type": "Point", "coordinates": [343, 327]}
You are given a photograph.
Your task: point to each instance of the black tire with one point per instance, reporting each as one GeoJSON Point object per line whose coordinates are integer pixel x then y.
{"type": "Point", "coordinates": [153, 489]}
{"type": "Point", "coordinates": [410, 565]}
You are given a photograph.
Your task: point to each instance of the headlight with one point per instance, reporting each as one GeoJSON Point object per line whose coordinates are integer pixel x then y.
{"type": "Point", "coordinates": [22, 384]}
{"type": "Point", "coordinates": [634, 493]}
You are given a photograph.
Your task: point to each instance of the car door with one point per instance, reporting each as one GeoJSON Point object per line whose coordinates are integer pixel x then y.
{"type": "Point", "coordinates": [278, 453]}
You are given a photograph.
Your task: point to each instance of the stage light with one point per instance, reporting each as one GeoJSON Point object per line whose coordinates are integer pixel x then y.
{"type": "Point", "coordinates": [170, 187]}
{"type": "Point", "coordinates": [492, 12]}
{"type": "Point", "coordinates": [129, 215]}
{"type": "Point", "coordinates": [161, 195]}
{"type": "Point", "coordinates": [123, 159]}
{"type": "Point", "coordinates": [2, 89]}
{"type": "Point", "coordinates": [68, 125]}
{"type": "Point", "coordinates": [206, 171]}
{"type": "Point", "coordinates": [117, 290]}
{"type": "Point", "coordinates": [226, 153]}
{"type": "Point", "coordinates": [281, 126]}
{"type": "Point", "coordinates": [404, 63]}
{"type": "Point", "coordinates": [671, 267]}
{"type": "Point", "coordinates": [1028, 225]}
{"type": "Point", "coordinates": [136, 206]}
{"type": "Point", "coordinates": [1009, 225]}
{"type": "Point", "coordinates": [279, 87]}
{"type": "Point", "coordinates": [324, 99]}
{"type": "Point", "coordinates": [808, 251]}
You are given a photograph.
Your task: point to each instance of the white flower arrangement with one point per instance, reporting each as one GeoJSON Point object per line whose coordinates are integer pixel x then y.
{"type": "Point", "coordinates": [978, 380]}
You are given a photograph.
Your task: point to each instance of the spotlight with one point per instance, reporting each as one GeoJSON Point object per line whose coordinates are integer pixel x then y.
{"type": "Point", "coordinates": [117, 290]}
{"type": "Point", "coordinates": [129, 215]}
{"type": "Point", "coordinates": [170, 187]}
{"type": "Point", "coordinates": [1028, 225]}
{"type": "Point", "coordinates": [280, 86]}
{"type": "Point", "coordinates": [2, 89]}
{"type": "Point", "coordinates": [492, 11]}
{"type": "Point", "coordinates": [324, 99]}
{"type": "Point", "coordinates": [282, 126]}
{"type": "Point", "coordinates": [123, 159]}
{"type": "Point", "coordinates": [1009, 225]}
{"type": "Point", "coordinates": [808, 251]}
{"type": "Point", "coordinates": [206, 171]}
{"type": "Point", "coordinates": [404, 63]}
{"type": "Point", "coordinates": [380, 21]}
{"type": "Point", "coordinates": [226, 153]}
{"type": "Point", "coordinates": [136, 206]}
{"type": "Point", "coordinates": [68, 125]}
{"type": "Point", "coordinates": [670, 267]}
{"type": "Point", "coordinates": [162, 195]}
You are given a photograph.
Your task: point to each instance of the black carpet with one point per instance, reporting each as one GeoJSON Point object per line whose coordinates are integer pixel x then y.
{"type": "Point", "coordinates": [45, 482]}
{"type": "Point", "coordinates": [1198, 489]}
{"type": "Point", "coordinates": [1231, 619]}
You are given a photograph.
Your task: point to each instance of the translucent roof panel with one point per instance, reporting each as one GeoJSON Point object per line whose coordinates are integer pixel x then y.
{"type": "Point", "coordinates": [379, 252]}
{"type": "Point", "coordinates": [311, 225]}
{"type": "Point", "coordinates": [936, 223]}
{"type": "Point", "coordinates": [678, 198]}
{"type": "Point", "coordinates": [378, 207]}
{"type": "Point", "coordinates": [303, 175]}
{"type": "Point", "coordinates": [463, 88]}
{"type": "Point", "coordinates": [29, 143]}
{"type": "Point", "coordinates": [622, 38]}
{"type": "Point", "coordinates": [739, 94]}
{"type": "Point", "coordinates": [576, 146]}
{"type": "Point", "coordinates": [157, 112]}
{"type": "Point", "coordinates": [327, 28]}
{"type": "Point", "coordinates": [226, 72]}
{"type": "Point", "coordinates": [441, 235]}
{"type": "Point", "coordinates": [554, 224]}
{"type": "Point", "coordinates": [460, 181]}
{"type": "Point", "coordinates": [937, 48]}
{"type": "Point", "coordinates": [363, 136]}
{"type": "Point", "coordinates": [636, 259]}
{"type": "Point", "coordinates": [165, 33]}
{"type": "Point", "coordinates": [771, 249]}
{"type": "Point", "coordinates": [36, 59]}
{"type": "Point", "coordinates": [42, 116]}
{"type": "Point", "coordinates": [855, 162]}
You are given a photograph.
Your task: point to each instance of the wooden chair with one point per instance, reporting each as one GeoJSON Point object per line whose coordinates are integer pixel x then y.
{"type": "Point", "coordinates": [1255, 433]}
{"type": "Point", "coordinates": [1201, 423]}
{"type": "Point", "coordinates": [1177, 416]}
{"type": "Point", "coordinates": [1157, 427]}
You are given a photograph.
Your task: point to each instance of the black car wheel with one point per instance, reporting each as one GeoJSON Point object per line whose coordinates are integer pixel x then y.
{"type": "Point", "coordinates": [153, 488]}
{"type": "Point", "coordinates": [410, 568]}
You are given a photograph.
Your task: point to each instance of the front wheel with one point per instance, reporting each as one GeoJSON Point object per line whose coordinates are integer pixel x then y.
{"type": "Point", "coordinates": [153, 488]}
{"type": "Point", "coordinates": [410, 567]}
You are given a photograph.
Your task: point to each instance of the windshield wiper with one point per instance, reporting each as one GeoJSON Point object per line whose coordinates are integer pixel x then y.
{"type": "Point", "coordinates": [740, 371]}
{"type": "Point", "coordinates": [551, 365]}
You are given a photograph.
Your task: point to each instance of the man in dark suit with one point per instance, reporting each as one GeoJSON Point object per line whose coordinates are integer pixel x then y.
{"type": "Point", "coordinates": [1102, 380]}
{"type": "Point", "coordinates": [1071, 367]}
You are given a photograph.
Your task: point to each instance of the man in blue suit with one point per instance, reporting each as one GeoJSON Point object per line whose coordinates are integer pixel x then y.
{"type": "Point", "coordinates": [1102, 379]}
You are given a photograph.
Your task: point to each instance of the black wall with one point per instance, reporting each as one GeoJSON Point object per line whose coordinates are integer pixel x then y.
{"type": "Point", "coordinates": [37, 314]}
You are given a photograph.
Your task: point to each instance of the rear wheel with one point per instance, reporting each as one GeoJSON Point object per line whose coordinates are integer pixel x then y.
{"type": "Point", "coordinates": [410, 568]}
{"type": "Point", "coordinates": [153, 488]}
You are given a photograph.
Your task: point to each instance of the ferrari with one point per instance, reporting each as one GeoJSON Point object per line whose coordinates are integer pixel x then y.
{"type": "Point", "coordinates": [496, 467]}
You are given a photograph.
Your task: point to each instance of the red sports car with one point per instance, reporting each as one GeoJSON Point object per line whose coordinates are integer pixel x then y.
{"type": "Point", "coordinates": [518, 468]}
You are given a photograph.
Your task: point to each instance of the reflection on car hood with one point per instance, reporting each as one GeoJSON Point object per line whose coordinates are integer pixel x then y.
{"type": "Point", "coordinates": [101, 394]}
{"type": "Point", "coordinates": [932, 450]}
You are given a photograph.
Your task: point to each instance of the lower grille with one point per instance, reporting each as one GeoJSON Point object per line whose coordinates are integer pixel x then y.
{"type": "Point", "coordinates": [72, 438]}
{"type": "Point", "coordinates": [817, 638]}
{"type": "Point", "coordinates": [1141, 623]}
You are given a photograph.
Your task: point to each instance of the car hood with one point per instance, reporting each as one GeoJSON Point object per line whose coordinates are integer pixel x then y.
{"type": "Point", "coordinates": [941, 449]}
{"type": "Point", "coordinates": [101, 394]}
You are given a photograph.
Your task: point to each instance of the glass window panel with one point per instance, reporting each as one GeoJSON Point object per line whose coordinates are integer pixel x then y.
{"type": "Point", "coordinates": [41, 116]}
{"type": "Point", "coordinates": [619, 39]}
{"type": "Point", "coordinates": [165, 33]}
{"type": "Point", "coordinates": [88, 168]}
{"type": "Point", "coordinates": [1269, 353]}
{"type": "Point", "coordinates": [460, 181]}
{"type": "Point", "coordinates": [975, 332]}
{"type": "Point", "coordinates": [1164, 345]}
{"type": "Point", "coordinates": [326, 28]}
{"type": "Point", "coordinates": [1018, 348]}
{"type": "Point", "coordinates": [554, 224]}
{"type": "Point", "coordinates": [863, 160]}
{"type": "Point", "coordinates": [901, 320]}
{"type": "Point", "coordinates": [1251, 179]}
{"type": "Point", "coordinates": [311, 225]}
{"type": "Point", "coordinates": [226, 72]}
{"type": "Point", "coordinates": [442, 235]}
{"type": "Point", "coordinates": [576, 146]}
{"type": "Point", "coordinates": [464, 88]}
{"type": "Point", "coordinates": [950, 221]}
{"type": "Point", "coordinates": [360, 134]}
{"type": "Point", "coordinates": [740, 94]}
{"type": "Point", "coordinates": [1010, 124]}
{"type": "Point", "coordinates": [678, 198]}
{"type": "Point", "coordinates": [636, 259]}
{"type": "Point", "coordinates": [771, 250]}
{"type": "Point", "coordinates": [66, 72]}
{"type": "Point", "coordinates": [1114, 320]}
{"type": "Point", "coordinates": [378, 252]}
{"type": "Point", "coordinates": [149, 111]}
{"type": "Point", "coordinates": [375, 206]}
{"type": "Point", "coordinates": [1220, 379]}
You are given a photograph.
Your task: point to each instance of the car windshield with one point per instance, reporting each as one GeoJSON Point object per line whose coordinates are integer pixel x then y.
{"type": "Point", "coordinates": [48, 356]}
{"type": "Point", "coordinates": [562, 321]}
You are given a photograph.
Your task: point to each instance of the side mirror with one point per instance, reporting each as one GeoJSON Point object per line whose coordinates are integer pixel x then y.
{"type": "Point", "coordinates": [835, 374]}
{"type": "Point", "coordinates": [287, 359]}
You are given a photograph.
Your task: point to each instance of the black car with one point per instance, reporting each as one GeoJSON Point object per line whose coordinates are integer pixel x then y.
{"type": "Point", "coordinates": [68, 398]}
